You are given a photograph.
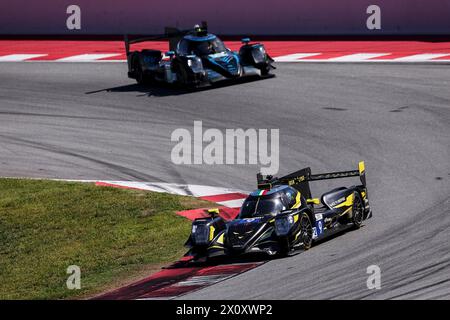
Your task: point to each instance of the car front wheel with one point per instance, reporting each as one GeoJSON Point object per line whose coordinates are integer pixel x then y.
{"type": "Point", "coordinates": [306, 231]}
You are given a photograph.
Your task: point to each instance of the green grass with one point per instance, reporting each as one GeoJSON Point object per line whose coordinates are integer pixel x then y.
{"type": "Point", "coordinates": [113, 235]}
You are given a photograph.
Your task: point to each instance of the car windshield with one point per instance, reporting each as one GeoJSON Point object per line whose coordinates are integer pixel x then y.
{"type": "Point", "coordinates": [260, 207]}
{"type": "Point", "coordinates": [201, 48]}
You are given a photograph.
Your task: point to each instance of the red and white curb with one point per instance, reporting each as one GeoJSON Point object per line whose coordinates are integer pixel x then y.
{"type": "Point", "coordinates": [283, 51]}
{"type": "Point", "coordinates": [173, 188]}
{"type": "Point", "coordinates": [229, 200]}
{"type": "Point", "coordinates": [175, 281]}
{"type": "Point", "coordinates": [364, 57]}
{"type": "Point", "coordinates": [180, 278]}
{"type": "Point", "coordinates": [295, 57]}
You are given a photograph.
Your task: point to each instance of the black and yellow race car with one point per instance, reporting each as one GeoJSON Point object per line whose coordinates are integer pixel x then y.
{"type": "Point", "coordinates": [281, 216]}
{"type": "Point", "coordinates": [196, 58]}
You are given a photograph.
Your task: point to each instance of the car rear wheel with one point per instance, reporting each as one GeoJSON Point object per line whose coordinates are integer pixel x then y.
{"type": "Point", "coordinates": [307, 231]}
{"type": "Point", "coordinates": [182, 75]}
{"type": "Point", "coordinates": [140, 77]}
{"type": "Point", "coordinates": [357, 211]}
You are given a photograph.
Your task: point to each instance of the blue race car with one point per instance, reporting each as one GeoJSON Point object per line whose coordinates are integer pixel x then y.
{"type": "Point", "coordinates": [196, 58]}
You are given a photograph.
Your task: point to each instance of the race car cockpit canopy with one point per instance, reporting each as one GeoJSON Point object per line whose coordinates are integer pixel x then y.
{"type": "Point", "coordinates": [260, 207]}
{"type": "Point", "coordinates": [175, 35]}
{"type": "Point", "coordinates": [200, 46]}
{"type": "Point", "coordinates": [268, 202]}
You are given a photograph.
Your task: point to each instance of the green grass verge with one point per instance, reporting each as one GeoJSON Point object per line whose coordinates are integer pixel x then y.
{"type": "Point", "coordinates": [113, 235]}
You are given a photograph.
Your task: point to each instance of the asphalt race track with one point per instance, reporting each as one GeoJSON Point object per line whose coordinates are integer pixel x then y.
{"type": "Point", "coordinates": [88, 121]}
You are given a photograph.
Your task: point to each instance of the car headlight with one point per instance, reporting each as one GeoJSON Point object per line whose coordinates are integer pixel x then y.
{"type": "Point", "coordinates": [195, 64]}
{"type": "Point", "coordinates": [200, 234]}
{"type": "Point", "coordinates": [283, 225]}
{"type": "Point", "coordinates": [259, 54]}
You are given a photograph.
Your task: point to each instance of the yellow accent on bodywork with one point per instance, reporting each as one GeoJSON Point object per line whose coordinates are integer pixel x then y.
{"type": "Point", "coordinates": [220, 240]}
{"type": "Point", "coordinates": [347, 202]}
{"type": "Point", "coordinates": [314, 200]}
{"type": "Point", "coordinates": [270, 221]}
{"type": "Point", "coordinates": [215, 210]}
{"type": "Point", "coordinates": [298, 202]}
{"type": "Point", "coordinates": [295, 218]}
{"type": "Point", "coordinates": [363, 194]}
{"type": "Point", "coordinates": [346, 211]}
{"type": "Point", "coordinates": [215, 247]}
{"type": "Point", "coordinates": [211, 232]}
{"type": "Point", "coordinates": [361, 167]}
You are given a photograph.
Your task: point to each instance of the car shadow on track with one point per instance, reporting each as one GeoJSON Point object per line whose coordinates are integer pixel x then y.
{"type": "Point", "coordinates": [164, 90]}
{"type": "Point", "coordinates": [253, 258]}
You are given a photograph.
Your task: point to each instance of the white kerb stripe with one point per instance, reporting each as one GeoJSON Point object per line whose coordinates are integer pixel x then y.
{"type": "Point", "coordinates": [88, 57]}
{"type": "Point", "coordinates": [203, 280]}
{"type": "Point", "coordinates": [232, 203]}
{"type": "Point", "coordinates": [422, 57]}
{"type": "Point", "coordinates": [20, 57]}
{"type": "Point", "coordinates": [203, 191]}
{"type": "Point", "coordinates": [295, 57]}
{"type": "Point", "coordinates": [358, 57]}
{"type": "Point", "coordinates": [180, 189]}
{"type": "Point", "coordinates": [158, 298]}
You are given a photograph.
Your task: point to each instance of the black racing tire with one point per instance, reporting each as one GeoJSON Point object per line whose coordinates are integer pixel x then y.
{"type": "Point", "coordinates": [306, 230]}
{"type": "Point", "coordinates": [140, 77]}
{"type": "Point", "coordinates": [284, 249]}
{"type": "Point", "coordinates": [182, 75]}
{"type": "Point", "coordinates": [357, 211]}
{"type": "Point", "coordinates": [265, 70]}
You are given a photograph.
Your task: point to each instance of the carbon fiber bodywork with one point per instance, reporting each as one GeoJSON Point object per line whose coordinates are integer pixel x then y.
{"type": "Point", "coordinates": [296, 223]}
{"type": "Point", "coordinates": [197, 58]}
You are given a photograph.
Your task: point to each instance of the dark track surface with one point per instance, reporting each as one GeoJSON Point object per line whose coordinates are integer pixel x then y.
{"type": "Point", "coordinates": [57, 121]}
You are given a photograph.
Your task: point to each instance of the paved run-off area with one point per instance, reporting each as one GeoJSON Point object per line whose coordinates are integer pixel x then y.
{"type": "Point", "coordinates": [88, 121]}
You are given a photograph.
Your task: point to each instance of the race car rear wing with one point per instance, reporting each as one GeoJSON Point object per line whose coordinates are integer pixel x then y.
{"type": "Point", "coordinates": [171, 33]}
{"type": "Point", "coordinates": [300, 179]}
{"type": "Point", "coordinates": [342, 174]}
{"type": "Point", "coordinates": [129, 41]}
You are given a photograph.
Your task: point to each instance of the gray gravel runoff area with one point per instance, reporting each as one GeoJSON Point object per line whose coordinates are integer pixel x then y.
{"type": "Point", "coordinates": [88, 121]}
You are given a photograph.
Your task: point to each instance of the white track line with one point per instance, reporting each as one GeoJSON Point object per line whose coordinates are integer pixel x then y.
{"type": "Point", "coordinates": [204, 280]}
{"type": "Point", "coordinates": [174, 188]}
{"type": "Point", "coordinates": [232, 203]}
{"type": "Point", "coordinates": [393, 61]}
{"type": "Point", "coordinates": [295, 57]}
{"type": "Point", "coordinates": [422, 57]}
{"type": "Point", "coordinates": [20, 57]}
{"type": "Point", "coordinates": [88, 57]}
{"type": "Point", "coordinates": [357, 57]}
{"type": "Point", "coordinates": [364, 57]}
{"type": "Point", "coordinates": [157, 298]}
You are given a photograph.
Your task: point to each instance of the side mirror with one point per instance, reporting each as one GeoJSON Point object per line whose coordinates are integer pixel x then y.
{"type": "Point", "coordinates": [213, 212]}
{"type": "Point", "coordinates": [313, 201]}
{"type": "Point", "coordinates": [170, 54]}
{"type": "Point", "coordinates": [245, 40]}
